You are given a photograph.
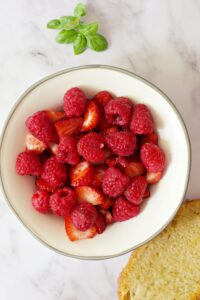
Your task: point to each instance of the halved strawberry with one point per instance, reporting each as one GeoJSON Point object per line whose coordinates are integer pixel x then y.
{"type": "Point", "coordinates": [111, 161]}
{"type": "Point", "coordinates": [89, 194]}
{"type": "Point", "coordinates": [91, 117]}
{"type": "Point", "coordinates": [68, 126]}
{"type": "Point", "coordinates": [134, 168]}
{"type": "Point", "coordinates": [107, 203]}
{"type": "Point", "coordinates": [81, 174]}
{"type": "Point", "coordinates": [122, 161]}
{"type": "Point", "coordinates": [75, 234]}
{"type": "Point", "coordinates": [107, 153]}
{"type": "Point", "coordinates": [55, 116]}
{"type": "Point", "coordinates": [150, 138]}
{"type": "Point", "coordinates": [147, 193]}
{"type": "Point", "coordinates": [102, 98]}
{"type": "Point", "coordinates": [110, 130]}
{"type": "Point", "coordinates": [53, 148]}
{"type": "Point", "coordinates": [153, 177]}
{"type": "Point", "coordinates": [44, 186]}
{"type": "Point", "coordinates": [98, 176]}
{"type": "Point", "coordinates": [108, 216]}
{"type": "Point", "coordinates": [35, 145]}
{"type": "Point", "coordinates": [103, 123]}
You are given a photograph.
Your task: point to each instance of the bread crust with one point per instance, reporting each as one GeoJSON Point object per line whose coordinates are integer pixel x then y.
{"type": "Point", "coordinates": [193, 205]}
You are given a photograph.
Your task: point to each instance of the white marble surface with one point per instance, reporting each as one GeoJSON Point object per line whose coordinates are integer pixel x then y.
{"type": "Point", "coordinates": [158, 40]}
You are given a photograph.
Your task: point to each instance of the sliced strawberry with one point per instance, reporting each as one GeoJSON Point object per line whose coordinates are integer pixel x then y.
{"type": "Point", "coordinates": [68, 126]}
{"type": "Point", "coordinates": [153, 177]}
{"type": "Point", "coordinates": [147, 193]}
{"type": "Point", "coordinates": [35, 145]}
{"type": "Point", "coordinates": [98, 176]}
{"type": "Point", "coordinates": [91, 117]}
{"type": "Point", "coordinates": [74, 234]}
{"type": "Point", "coordinates": [110, 130]}
{"type": "Point", "coordinates": [122, 161]}
{"type": "Point", "coordinates": [107, 153]}
{"type": "Point", "coordinates": [89, 194]}
{"type": "Point", "coordinates": [111, 161]}
{"type": "Point", "coordinates": [103, 123]}
{"type": "Point", "coordinates": [55, 116]}
{"type": "Point", "coordinates": [107, 203]}
{"type": "Point", "coordinates": [81, 174]}
{"type": "Point", "coordinates": [134, 168]}
{"type": "Point", "coordinates": [108, 216]}
{"type": "Point", "coordinates": [44, 186]}
{"type": "Point", "coordinates": [102, 98]}
{"type": "Point", "coordinates": [150, 138]}
{"type": "Point", "coordinates": [53, 148]}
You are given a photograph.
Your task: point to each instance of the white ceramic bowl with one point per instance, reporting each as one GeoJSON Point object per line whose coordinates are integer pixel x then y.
{"type": "Point", "coordinates": [166, 196]}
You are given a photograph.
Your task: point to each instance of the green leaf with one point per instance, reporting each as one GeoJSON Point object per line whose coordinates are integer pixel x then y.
{"type": "Point", "coordinates": [97, 42]}
{"type": "Point", "coordinates": [54, 24]}
{"type": "Point", "coordinates": [66, 36]}
{"type": "Point", "coordinates": [69, 22]}
{"type": "Point", "coordinates": [80, 44]}
{"type": "Point", "coordinates": [80, 10]}
{"type": "Point", "coordinates": [88, 29]}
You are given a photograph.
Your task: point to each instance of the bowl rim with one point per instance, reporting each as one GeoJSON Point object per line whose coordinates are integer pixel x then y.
{"type": "Point", "coordinates": [116, 69]}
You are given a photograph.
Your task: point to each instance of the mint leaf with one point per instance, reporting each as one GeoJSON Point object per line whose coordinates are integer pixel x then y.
{"type": "Point", "coordinates": [69, 22]}
{"type": "Point", "coordinates": [88, 29]}
{"type": "Point", "coordinates": [66, 36]}
{"type": "Point", "coordinates": [54, 24]}
{"type": "Point", "coordinates": [97, 42]}
{"type": "Point", "coordinates": [80, 44]}
{"type": "Point", "coordinates": [80, 10]}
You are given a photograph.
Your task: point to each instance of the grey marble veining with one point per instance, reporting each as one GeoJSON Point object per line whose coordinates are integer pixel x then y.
{"type": "Point", "coordinates": [158, 40]}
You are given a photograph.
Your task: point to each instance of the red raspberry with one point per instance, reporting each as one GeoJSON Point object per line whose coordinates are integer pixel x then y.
{"type": "Point", "coordinates": [91, 147]}
{"type": "Point", "coordinates": [67, 150]}
{"type": "Point", "coordinates": [122, 143]}
{"type": "Point", "coordinates": [74, 102]}
{"type": "Point", "coordinates": [118, 111]}
{"type": "Point", "coordinates": [62, 202]}
{"type": "Point", "coordinates": [83, 216]}
{"type": "Point", "coordinates": [41, 127]}
{"type": "Point", "coordinates": [100, 223]}
{"type": "Point", "coordinates": [123, 210]}
{"type": "Point", "coordinates": [142, 121]}
{"type": "Point", "coordinates": [136, 189]}
{"type": "Point", "coordinates": [40, 201]}
{"type": "Point", "coordinates": [102, 98]}
{"type": "Point", "coordinates": [28, 163]}
{"type": "Point", "coordinates": [54, 172]}
{"type": "Point", "coordinates": [114, 182]}
{"type": "Point", "coordinates": [153, 157]}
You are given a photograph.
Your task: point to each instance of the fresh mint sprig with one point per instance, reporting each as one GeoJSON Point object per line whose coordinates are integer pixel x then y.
{"type": "Point", "coordinates": [82, 35]}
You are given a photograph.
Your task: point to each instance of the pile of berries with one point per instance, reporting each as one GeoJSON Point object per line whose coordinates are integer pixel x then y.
{"type": "Point", "coordinates": [94, 162]}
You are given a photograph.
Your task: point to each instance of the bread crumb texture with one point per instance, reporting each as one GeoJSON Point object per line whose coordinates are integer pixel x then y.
{"type": "Point", "coordinates": [168, 267]}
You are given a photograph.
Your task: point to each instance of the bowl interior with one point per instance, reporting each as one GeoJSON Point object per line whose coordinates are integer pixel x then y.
{"type": "Point", "coordinates": [166, 196]}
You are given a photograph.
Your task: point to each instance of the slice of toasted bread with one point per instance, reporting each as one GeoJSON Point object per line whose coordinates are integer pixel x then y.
{"type": "Point", "coordinates": [168, 267]}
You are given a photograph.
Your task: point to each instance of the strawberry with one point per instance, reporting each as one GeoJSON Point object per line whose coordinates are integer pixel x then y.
{"type": "Point", "coordinates": [100, 223]}
{"type": "Point", "coordinates": [153, 177]}
{"type": "Point", "coordinates": [53, 148]}
{"type": "Point", "coordinates": [44, 186]}
{"type": "Point", "coordinates": [122, 161]}
{"type": "Point", "coordinates": [150, 138]}
{"type": "Point", "coordinates": [147, 193]}
{"type": "Point", "coordinates": [70, 126]}
{"type": "Point", "coordinates": [81, 174]}
{"type": "Point", "coordinates": [103, 123]}
{"type": "Point", "coordinates": [107, 203]}
{"type": "Point", "coordinates": [75, 234]}
{"type": "Point", "coordinates": [111, 161]}
{"type": "Point", "coordinates": [91, 117]}
{"type": "Point", "coordinates": [35, 145]}
{"type": "Point", "coordinates": [102, 98]}
{"type": "Point", "coordinates": [109, 130]}
{"type": "Point", "coordinates": [55, 116]}
{"type": "Point", "coordinates": [89, 194]}
{"type": "Point", "coordinates": [134, 168]}
{"type": "Point", "coordinates": [108, 216]}
{"type": "Point", "coordinates": [98, 176]}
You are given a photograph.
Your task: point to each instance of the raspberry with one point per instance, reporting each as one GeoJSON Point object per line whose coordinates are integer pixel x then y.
{"type": "Point", "coordinates": [102, 98]}
{"type": "Point", "coordinates": [74, 102]}
{"type": "Point", "coordinates": [136, 189]}
{"type": "Point", "coordinates": [67, 150]}
{"type": "Point", "coordinates": [28, 163]}
{"type": "Point", "coordinates": [83, 216]}
{"type": "Point", "coordinates": [41, 127]}
{"type": "Point", "coordinates": [123, 210]}
{"type": "Point", "coordinates": [54, 172]}
{"type": "Point", "coordinates": [118, 111]}
{"type": "Point", "coordinates": [122, 143]}
{"type": "Point", "coordinates": [62, 202]}
{"type": "Point", "coordinates": [153, 157]}
{"type": "Point", "coordinates": [142, 121]}
{"type": "Point", "coordinates": [40, 201]}
{"type": "Point", "coordinates": [91, 147]}
{"type": "Point", "coordinates": [100, 223]}
{"type": "Point", "coordinates": [114, 182]}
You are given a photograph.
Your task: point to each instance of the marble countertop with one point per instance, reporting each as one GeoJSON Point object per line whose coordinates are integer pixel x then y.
{"type": "Point", "coordinates": [158, 40]}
